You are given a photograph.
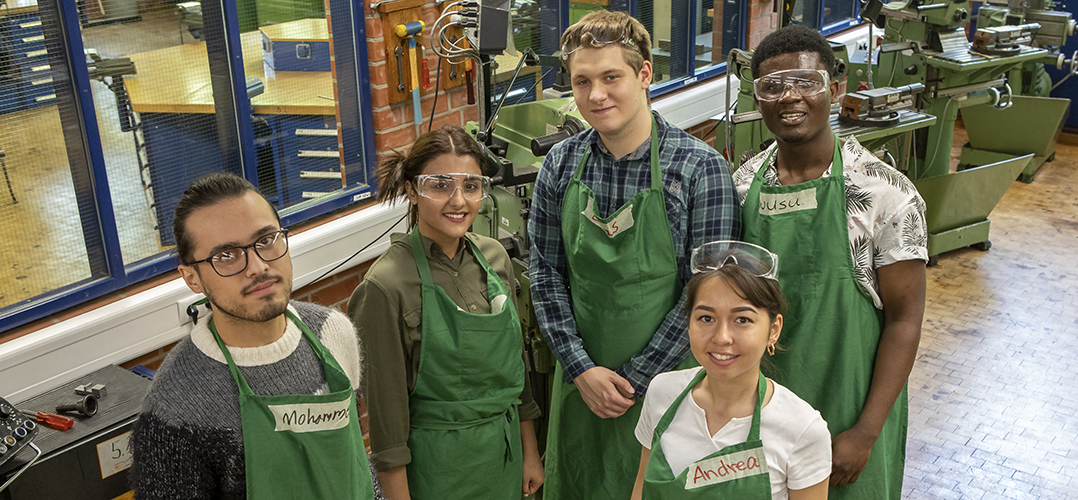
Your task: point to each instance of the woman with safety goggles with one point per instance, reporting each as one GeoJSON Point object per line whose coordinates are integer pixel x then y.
{"type": "Point", "coordinates": [449, 404]}
{"type": "Point", "coordinates": [723, 430]}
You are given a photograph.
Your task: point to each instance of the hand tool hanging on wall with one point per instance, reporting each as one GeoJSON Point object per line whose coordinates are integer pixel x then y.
{"type": "Point", "coordinates": [411, 31]}
{"type": "Point", "coordinates": [468, 72]}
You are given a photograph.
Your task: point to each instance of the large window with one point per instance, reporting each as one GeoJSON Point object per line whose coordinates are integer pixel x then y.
{"type": "Point", "coordinates": [690, 38]}
{"type": "Point", "coordinates": [109, 110]}
{"type": "Point", "coordinates": [828, 16]}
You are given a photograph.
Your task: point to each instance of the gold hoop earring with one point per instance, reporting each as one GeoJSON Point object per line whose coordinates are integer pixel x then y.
{"type": "Point", "coordinates": [771, 349]}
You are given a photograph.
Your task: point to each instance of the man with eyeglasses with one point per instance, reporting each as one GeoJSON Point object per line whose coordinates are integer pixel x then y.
{"type": "Point", "coordinates": [850, 233]}
{"type": "Point", "coordinates": [260, 400]}
{"type": "Point", "coordinates": [616, 213]}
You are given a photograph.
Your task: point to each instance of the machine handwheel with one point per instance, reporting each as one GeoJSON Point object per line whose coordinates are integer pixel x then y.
{"type": "Point", "coordinates": [982, 246]}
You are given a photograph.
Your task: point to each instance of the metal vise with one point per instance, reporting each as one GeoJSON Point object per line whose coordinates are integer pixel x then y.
{"type": "Point", "coordinates": [877, 107]}
{"type": "Point", "coordinates": [1004, 40]}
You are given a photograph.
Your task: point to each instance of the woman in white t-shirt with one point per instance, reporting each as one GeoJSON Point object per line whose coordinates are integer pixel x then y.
{"type": "Point", "coordinates": [723, 430]}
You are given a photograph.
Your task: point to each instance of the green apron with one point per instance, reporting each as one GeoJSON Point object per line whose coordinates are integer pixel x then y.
{"type": "Point", "coordinates": [623, 279]}
{"type": "Point", "coordinates": [736, 472]}
{"type": "Point", "coordinates": [302, 445]}
{"type": "Point", "coordinates": [832, 329]}
{"type": "Point", "coordinates": [465, 430]}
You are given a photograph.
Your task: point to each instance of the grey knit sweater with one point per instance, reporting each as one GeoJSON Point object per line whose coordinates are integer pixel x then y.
{"type": "Point", "coordinates": [188, 442]}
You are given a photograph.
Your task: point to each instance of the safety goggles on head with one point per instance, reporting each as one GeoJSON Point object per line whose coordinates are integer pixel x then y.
{"type": "Point", "coordinates": [232, 261]}
{"type": "Point", "coordinates": [755, 259]}
{"type": "Point", "coordinates": [591, 40]}
{"type": "Point", "coordinates": [441, 187]}
{"type": "Point", "coordinates": [804, 82]}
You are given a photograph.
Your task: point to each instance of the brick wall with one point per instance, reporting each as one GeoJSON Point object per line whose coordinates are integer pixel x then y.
{"type": "Point", "coordinates": [762, 21]}
{"type": "Point", "coordinates": [394, 127]}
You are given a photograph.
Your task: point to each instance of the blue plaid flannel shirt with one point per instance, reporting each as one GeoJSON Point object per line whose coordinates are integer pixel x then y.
{"type": "Point", "coordinates": [701, 205]}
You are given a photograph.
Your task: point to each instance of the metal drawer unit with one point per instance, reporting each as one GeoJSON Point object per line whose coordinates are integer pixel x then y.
{"type": "Point", "coordinates": [307, 156]}
{"type": "Point", "coordinates": [29, 81]}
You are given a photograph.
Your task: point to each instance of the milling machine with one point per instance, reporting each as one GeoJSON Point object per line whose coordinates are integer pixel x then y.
{"type": "Point", "coordinates": [925, 43]}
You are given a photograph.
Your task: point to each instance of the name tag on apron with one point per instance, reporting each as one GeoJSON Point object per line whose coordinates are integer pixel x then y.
{"type": "Point", "coordinates": [311, 417]}
{"type": "Point", "coordinates": [717, 470]}
{"type": "Point", "coordinates": [782, 203]}
{"type": "Point", "coordinates": [621, 222]}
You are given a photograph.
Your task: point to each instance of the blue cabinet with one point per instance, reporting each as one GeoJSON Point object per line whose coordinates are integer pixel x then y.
{"type": "Point", "coordinates": [181, 147]}
{"type": "Point", "coordinates": [26, 79]}
{"type": "Point", "coordinates": [307, 156]}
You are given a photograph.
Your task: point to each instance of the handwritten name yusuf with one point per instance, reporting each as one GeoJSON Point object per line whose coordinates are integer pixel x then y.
{"type": "Point", "coordinates": [781, 203]}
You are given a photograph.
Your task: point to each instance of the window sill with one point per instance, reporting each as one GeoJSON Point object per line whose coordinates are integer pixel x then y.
{"type": "Point", "coordinates": [118, 329]}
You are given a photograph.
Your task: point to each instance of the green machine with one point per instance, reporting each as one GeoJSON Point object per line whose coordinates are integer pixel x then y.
{"type": "Point", "coordinates": [926, 43]}
{"type": "Point", "coordinates": [522, 135]}
{"type": "Point", "coordinates": [746, 134]}
{"type": "Point", "coordinates": [1036, 23]}
{"type": "Point", "coordinates": [995, 16]}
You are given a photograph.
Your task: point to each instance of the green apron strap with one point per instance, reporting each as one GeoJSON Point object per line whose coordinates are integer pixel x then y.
{"type": "Point", "coordinates": [420, 254]}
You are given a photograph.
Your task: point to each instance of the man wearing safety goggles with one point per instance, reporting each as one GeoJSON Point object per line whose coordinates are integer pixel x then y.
{"type": "Point", "coordinates": [850, 232]}
{"type": "Point", "coordinates": [616, 213]}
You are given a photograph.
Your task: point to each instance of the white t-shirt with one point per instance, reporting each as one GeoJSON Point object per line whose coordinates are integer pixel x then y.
{"type": "Point", "coordinates": [797, 445]}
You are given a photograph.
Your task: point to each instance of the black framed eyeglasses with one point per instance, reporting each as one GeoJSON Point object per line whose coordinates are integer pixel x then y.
{"type": "Point", "coordinates": [232, 261]}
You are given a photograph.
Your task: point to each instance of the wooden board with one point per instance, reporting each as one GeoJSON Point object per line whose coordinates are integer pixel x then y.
{"type": "Point", "coordinates": [301, 30]}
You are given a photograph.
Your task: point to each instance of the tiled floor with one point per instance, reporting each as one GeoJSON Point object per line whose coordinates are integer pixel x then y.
{"type": "Point", "coordinates": [994, 392]}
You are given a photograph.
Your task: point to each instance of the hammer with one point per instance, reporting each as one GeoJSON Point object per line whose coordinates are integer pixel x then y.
{"type": "Point", "coordinates": [411, 31]}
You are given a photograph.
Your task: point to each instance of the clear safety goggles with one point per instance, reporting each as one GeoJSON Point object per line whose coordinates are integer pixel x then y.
{"type": "Point", "coordinates": [595, 41]}
{"type": "Point", "coordinates": [441, 187]}
{"type": "Point", "coordinates": [755, 259]}
{"type": "Point", "coordinates": [804, 82]}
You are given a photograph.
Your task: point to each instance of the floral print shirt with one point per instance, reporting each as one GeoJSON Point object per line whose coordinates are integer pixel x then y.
{"type": "Point", "coordinates": [886, 215]}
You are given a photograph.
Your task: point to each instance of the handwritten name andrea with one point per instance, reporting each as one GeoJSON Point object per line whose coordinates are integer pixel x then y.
{"type": "Point", "coordinates": [726, 468]}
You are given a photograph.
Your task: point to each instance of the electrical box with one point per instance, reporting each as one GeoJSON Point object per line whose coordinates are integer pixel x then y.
{"type": "Point", "coordinates": [493, 26]}
{"type": "Point", "coordinates": [90, 461]}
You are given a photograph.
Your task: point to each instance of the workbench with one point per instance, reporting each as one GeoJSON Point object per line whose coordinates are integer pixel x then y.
{"type": "Point", "coordinates": [294, 121]}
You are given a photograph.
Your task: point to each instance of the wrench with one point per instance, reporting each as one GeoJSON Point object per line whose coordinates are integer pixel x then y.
{"type": "Point", "coordinates": [400, 69]}
{"type": "Point", "coordinates": [452, 71]}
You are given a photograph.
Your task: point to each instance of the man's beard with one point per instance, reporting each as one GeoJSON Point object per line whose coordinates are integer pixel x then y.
{"type": "Point", "coordinates": [267, 312]}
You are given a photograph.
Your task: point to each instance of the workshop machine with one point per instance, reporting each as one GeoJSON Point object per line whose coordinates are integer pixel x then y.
{"type": "Point", "coordinates": [925, 43]}
{"type": "Point", "coordinates": [515, 138]}
{"type": "Point", "coordinates": [995, 16]}
{"type": "Point", "coordinates": [1037, 24]}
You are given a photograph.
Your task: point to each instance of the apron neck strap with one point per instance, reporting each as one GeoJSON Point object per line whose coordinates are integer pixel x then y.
{"type": "Point", "coordinates": [754, 428]}
{"type": "Point", "coordinates": [761, 391]}
{"type": "Point", "coordinates": [420, 255]}
{"type": "Point", "coordinates": [236, 375]}
{"type": "Point", "coordinates": [836, 160]}
{"type": "Point", "coordinates": [656, 170]}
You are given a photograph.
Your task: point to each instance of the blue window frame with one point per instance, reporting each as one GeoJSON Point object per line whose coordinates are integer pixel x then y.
{"type": "Point", "coordinates": [96, 147]}
{"type": "Point", "coordinates": [710, 27]}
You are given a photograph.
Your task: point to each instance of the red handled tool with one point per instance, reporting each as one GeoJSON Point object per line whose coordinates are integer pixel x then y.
{"type": "Point", "coordinates": [468, 80]}
{"type": "Point", "coordinates": [52, 420]}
